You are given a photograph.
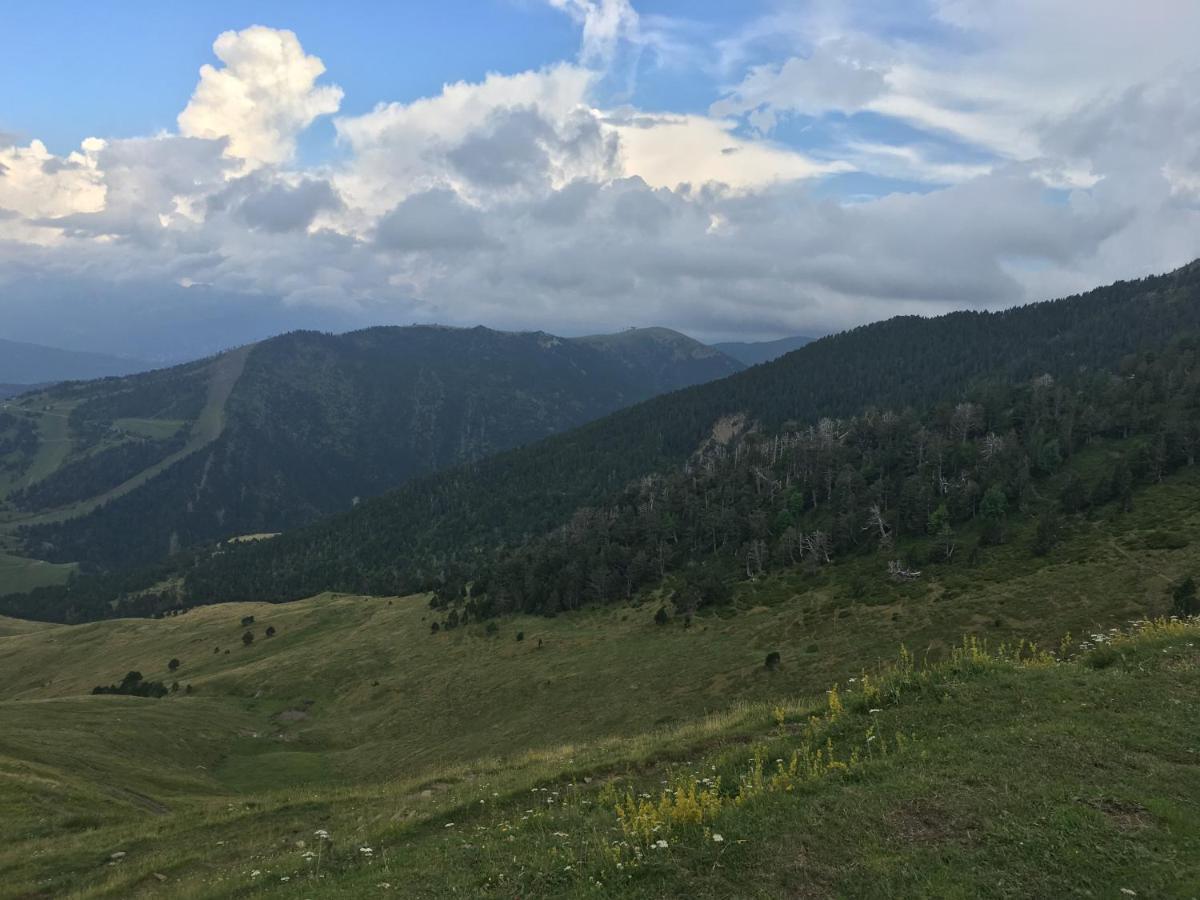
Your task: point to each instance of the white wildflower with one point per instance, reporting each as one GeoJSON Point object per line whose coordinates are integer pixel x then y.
{"type": "Point", "coordinates": [718, 838]}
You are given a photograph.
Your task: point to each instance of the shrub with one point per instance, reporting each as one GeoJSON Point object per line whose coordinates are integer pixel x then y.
{"type": "Point", "coordinates": [270, 632]}
{"type": "Point", "coordinates": [1048, 533]}
{"type": "Point", "coordinates": [133, 685]}
{"type": "Point", "coordinates": [1165, 540]}
{"type": "Point", "coordinates": [1184, 602]}
{"type": "Point", "coordinates": [173, 665]}
{"type": "Point", "coordinates": [248, 638]}
{"type": "Point", "coordinates": [435, 628]}
{"type": "Point", "coordinates": [247, 620]}
{"type": "Point", "coordinates": [773, 660]}
{"type": "Point", "coordinates": [662, 617]}
{"type": "Point", "coordinates": [1102, 657]}
{"type": "Point", "coordinates": [174, 687]}
{"type": "Point", "coordinates": [491, 629]}
{"type": "Point", "coordinates": [520, 635]}
{"type": "Point", "coordinates": [188, 689]}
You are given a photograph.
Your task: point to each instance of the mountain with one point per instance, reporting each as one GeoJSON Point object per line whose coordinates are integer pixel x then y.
{"type": "Point", "coordinates": [31, 364]}
{"type": "Point", "coordinates": [456, 525]}
{"type": "Point", "coordinates": [12, 390]}
{"type": "Point", "coordinates": [273, 435]}
{"type": "Point", "coordinates": [401, 538]}
{"type": "Point", "coordinates": [670, 359]}
{"type": "Point", "coordinates": [753, 353]}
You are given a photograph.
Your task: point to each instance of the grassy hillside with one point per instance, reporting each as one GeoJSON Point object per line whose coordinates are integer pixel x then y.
{"type": "Point", "coordinates": [355, 718]}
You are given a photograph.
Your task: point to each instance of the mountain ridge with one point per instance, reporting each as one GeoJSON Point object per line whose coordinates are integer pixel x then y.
{"type": "Point", "coordinates": [751, 353]}
{"type": "Point", "coordinates": [312, 423]}
{"type": "Point", "coordinates": [23, 363]}
{"type": "Point", "coordinates": [451, 520]}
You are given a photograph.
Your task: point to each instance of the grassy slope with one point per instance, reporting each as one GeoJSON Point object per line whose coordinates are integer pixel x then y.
{"type": "Point", "coordinates": [9, 626]}
{"type": "Point", "coordinates": [1014, 780]}
{"type": "Point", "coordinates": [225, 371]}
{"type": "Point", "coordinates": [376, 712]}
{"type": "Point", "coordinates": [20, 573]}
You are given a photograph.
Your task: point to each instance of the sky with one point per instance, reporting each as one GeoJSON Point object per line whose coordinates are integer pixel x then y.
{"type": "Point", "coordinates": [177, 178]}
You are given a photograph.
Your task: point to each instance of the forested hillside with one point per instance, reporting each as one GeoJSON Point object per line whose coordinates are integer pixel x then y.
{"type": "Point", "coordinates": [665, 359]}
{"type": "Point", "coordinates": [312, 424]}
{"type": "Point", "coordinates": [898, 384]}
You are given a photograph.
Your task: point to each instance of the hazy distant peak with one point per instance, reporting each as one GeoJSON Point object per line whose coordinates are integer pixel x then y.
{"type": "Point", "coordinates": [22, 363]}
{"type": "Point", "coordinates": [754, 352]}
{"type": "Point", "coordinates": [654, 336]}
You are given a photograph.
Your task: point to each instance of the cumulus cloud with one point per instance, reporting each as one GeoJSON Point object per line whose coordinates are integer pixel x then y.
{"type": "Point", "coordinates": [277, 205]}
{"type": "Point", "coordinates": [434, 220]}
{"type": "Point", "coordinates": [262, 98]}
{"type": "Point", "coordinates": [36, 185]}
{"type": "Point", "coordinates": [522, 201]}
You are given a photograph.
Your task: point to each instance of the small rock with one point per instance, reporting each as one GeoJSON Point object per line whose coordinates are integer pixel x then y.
{"type": "Point", "coordinates": [160, 876]}
{"type": "Point", "coordinates": [120, 854]}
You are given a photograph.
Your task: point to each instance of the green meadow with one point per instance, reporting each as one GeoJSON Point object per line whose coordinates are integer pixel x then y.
{"type": "Point", "coordinates": [352, 717]}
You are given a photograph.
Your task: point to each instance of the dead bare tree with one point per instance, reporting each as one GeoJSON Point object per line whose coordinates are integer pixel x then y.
{"type": "Point", "coordinates": [897, 571]}
{"type": "Point", "coordinates": [876, 520]}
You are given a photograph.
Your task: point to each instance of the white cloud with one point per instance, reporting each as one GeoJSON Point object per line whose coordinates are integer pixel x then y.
{"type": "Point", "coordinates": [832, 77]}
{"type": "Point", "coordinates": [37, 185]}
{"type": "Point", "coordinates": [669, 150]}
{"type": "Point", "coordinates": [404, 148]}
{"type": "Point", "coordinates": [521, 201]}
{"type": "Point", "coordinates": [265, 95]}
{"type": "Point", "coordinates": [604, 23]}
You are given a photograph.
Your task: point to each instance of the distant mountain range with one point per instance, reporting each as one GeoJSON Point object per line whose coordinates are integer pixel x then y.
{"type": "Point", "coordinates": [12, 390]}
{"type": "Point", "coordinates": [753, 353]}
{"type": "Point", "coordinates": [271, 436]}
{"type": "Point", "coordinates": [32, 364]}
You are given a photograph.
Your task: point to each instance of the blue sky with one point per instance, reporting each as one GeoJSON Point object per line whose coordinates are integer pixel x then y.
{"type": "Point", "coordinates": [126, 69]}
{"type": "Point", "coordinates": [735, 170]}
